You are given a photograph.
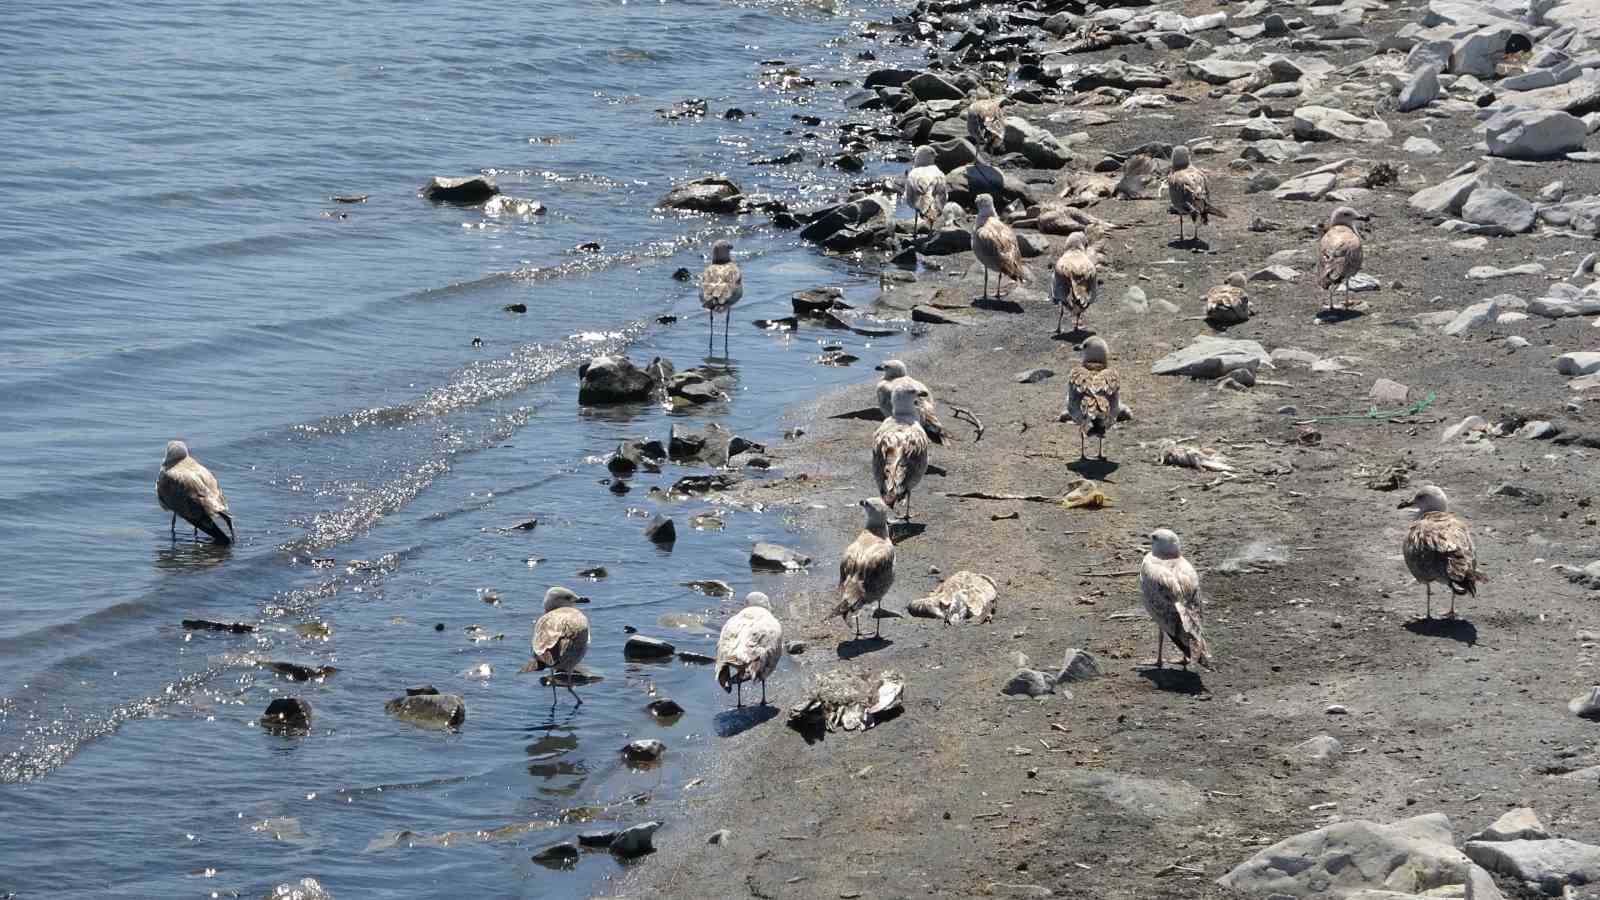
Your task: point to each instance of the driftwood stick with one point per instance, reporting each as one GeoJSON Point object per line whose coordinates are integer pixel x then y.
{"type": "Point", "coordinates": [1108, 574]}
{"type": "Point", "coordinates": [966, 415]}
{"type": "Point", "coordinates": [984, 495]}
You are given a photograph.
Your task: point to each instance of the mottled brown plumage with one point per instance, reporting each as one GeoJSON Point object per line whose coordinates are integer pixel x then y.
{"type": "Point", "coordinates": [995, 246]}
{"type": "Point", "coordinates": [749, 647]}
{"type": "Point", "coordinates": [1170, 589]}
{"type": "Point", "coordinates": [1094, 395]}
{"type": "Point", "coordinates": [1339, 252]}
{"type": "Point", "coordinates": [900, 450]}
{"type": "Point", "coordinates": [1077, 280]}
{"type": "Point", "coordinates": [1227, 304]}
{"type": "Point", "coordinates": [894, 371]}
{"type": "Point", "coordinates": [986, 125]}
{"type": "Point", "coordinates": [926, 190]}
{"type": "Point", "coordinates": [866, 571]}
{"type": "Point", "coordinates": [186, 488]}
{"type": "Point", "coordinates": [1189, 193]}
{"type": "Point", "coordinates": [1438, 547]}
{"type": "Point", "coordinates": [560, 638]}
{"type": "Point", "coordinates": [721, 286]}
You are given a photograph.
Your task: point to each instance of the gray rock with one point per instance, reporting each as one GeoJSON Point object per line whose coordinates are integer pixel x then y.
{"type": "Point", "coordinates": [1579, 362]}
{"type": "Point", "coordinates": [661, 530]}
{"type": "Point", "coordinates": [1479, 52]}
{"type": "Point", "coordinates": [636, 840]}
{"type": "Point", "coordinates": [1311, 187]}
{"type": "Point", "coordinates": [1500, 209]}
{"type": "Point", "coordinates": [711, 194]}
{"type": "Point", "coordinates": [1551, 864]}
{"type": "Point", "coordinates": [1420, 146]}
{"type": "Point", "coordinates": [719, 837]}
{"type": "Point", "coordinates": [1211, 357]}
{"type": "Point", "coordinates": [770, 556]}
{"type": "Point", "coordinates": [1565, 300]}
{"type": "Point", "coordinates": [644, 751]}
{"type": "Point", "coordinates": [1533, 133]}
{"type": "Point", "coordinates": [429, 710]}
{"type": "Point", "coordinates": [1446, 198]}
{"type": "Point", "coordinates": [1408, 856]}
{"type": "Point", "coordinates": [287, 715]}
{"type": "Point", "coordinates": [1422, 89]}
{"type": "Point", "coordinates": [1321, 748]}
{"type": "Point", "coordinates": [1041, 148]}
{"type": "Point", "coordinates": [928, 86]}
{"type": "Point", "coordinates": [1435, 53]}
{"type": "Point", "coordinates": [471, 190]}
{"type": "Point", "coordinates": [640, 647]}
{"type": "Point", "coordinates": [1276, 274]}
{"type": "Point", "coordinates": [953, 154]}
{"type": "Point", "coordinates": [1221, 71]}
{"type": "Point", "coordinates": [612, 379]}
{"type": "Point", "coordinates": [1033, 376]}
{"type": "Point", "coordinates": [1260, 128]}
{"type": "Point", "coordinates": [1135, 300]}
{"type": "Point", "coordinates": [1078, 665]}
{"type": "Point", "coordinates": [1578, 96]}
{"type": "Point", "coordinates": [559, 856]}
{"type": "Point", "coordinates": [1323, 123]}
{"type": "Point", "coordinates": [1029, 683]}
{"type": "Point", "coordinates": [708, 447]}
{"type": "Point", "coordinates": [967, 182]}
{"type": "Point", "coordinates": [1519, 824]}
{"type": "Point", "coordinates": [1488, 273]}
{"type": "Point", "coordinates": [1271, 152]}
{"type": "Point", "coordinates": [1529, 496]}
{"type": "Point", "coordinates": [1289, 356]}
{"type": "Point", "coordinates": [1586, 706]}
{"type": "Point", "coordinates": [1386, 391]}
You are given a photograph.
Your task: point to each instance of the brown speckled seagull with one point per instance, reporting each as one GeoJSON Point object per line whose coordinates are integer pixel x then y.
{"type": "Point", "coordinates": [1439, 548]}
{"type": "Point", "coordinates": [1093, 395]}
{"type": "Point", "coordinates": [560, 638]}
{"type": "Point", "coordinates": [900, 449]}
{"type": "Point", "coordinates": [894, 370]}
{"type": "Point", "coordinates": [995, 246]}
{"type": "Point", "coordinates": [1339, 252]}
{"type": "Point", "coordinates": [926, 190]}
{"type": "Point", "coordinates": [985, 125]}
{"type": "Point", "coordinates": [186, 488]}
{"type": "Point", "coordinates": [1188, 193]}
{"type": "Point", "coordinates": [1170, 588]}
{"type": "Point", "coordinates": [866, 571]}
{"type": "Point", "coordinates": [721, 286]}
{"type": "Point", "coordinates": [1077, 280]}
{"type": "Point", "coordinates": [750, 646]}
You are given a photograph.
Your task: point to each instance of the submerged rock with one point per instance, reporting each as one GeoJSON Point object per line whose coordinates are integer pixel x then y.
{"type": "Point", "coordinates": [636, 840]}
{"type": "Point", "coordinates": [711, 194]}
{"type": "Point", "coordinates": [470, 190]}
{"type": "Point", "coordinates": [661, 530]}
{"type": "Point", "coordinates": [612, 379]}
{"type": "Point", "coordinates": [287, 715]}
{"type": "Point", "coordinates": [644, 751]}
{"type": "Point", "coordinates": [429, 710]}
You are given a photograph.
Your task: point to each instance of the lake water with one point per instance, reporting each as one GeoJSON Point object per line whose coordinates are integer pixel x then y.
{"type": "Point", "coordinates": [172, 266]}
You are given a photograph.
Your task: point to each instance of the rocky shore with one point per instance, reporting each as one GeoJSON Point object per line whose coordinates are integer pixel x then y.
{"type": "Point", "coordinates": [1369, 742]}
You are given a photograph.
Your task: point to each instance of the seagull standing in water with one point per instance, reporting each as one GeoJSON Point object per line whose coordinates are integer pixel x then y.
{"type": "Point", "coordinates": [560, 638]}
{"type": "Point", "coordinates": [1093, 395]}
{"type": "Point", "coordinates": [900, 449]}
{"type": "Point", "coordinates": [1170, 588]}
{"type": "Point", "coordinates": [995, 245]}
{"type": "Point", "coordinates": [926, 190]}
{"type": "Point", "coordinates": [721, 286]}
{"type": "Point", "coordinates": [1188, 193]}
{"type": "Point", "coordinates": [894, 371]}
{"type": "Point", "coordinates": [186, 488]}
{"type": "Point", "coordinates": [1439, 548]}
{"type": "Point", "coordinates": [866, 571]}
{"type": "Point", "coordinates": [1077, 280]}
{"type": "Point", "coordinates": [750, 646]}
{"type": "Point", "coordinates": [1339, 252]}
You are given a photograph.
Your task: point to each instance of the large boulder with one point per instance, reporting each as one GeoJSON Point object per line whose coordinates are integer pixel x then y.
{"type": "Point", "coordinates": [1324, 123]}
{"type": "Point", "coordinates": [612, 379]}
{"type": "Point", "coordinates": [1499, 211]}
{"type": "Point", "coordinates": [1578, 362]}
{"type": "Point", "coordinates": [862, 222]}
{"type": "Point", "coordinates": [1211, 357]}
{"type": "Point", "coordinates": [967, 182]}
{"type": "Point", "coordinates": [1313, 186]}
{"type": "Point", "coordinates": [1551, 864]}
{"type": "Point", "coordinates": [1478, 53]}
{"type": "Point", "coordinates": [711, 194]}
{"type": "Point", "coordinates": [953, 154]}
{"type": "Point", "coordinates": [1422, 89]}
{"type": "Point", "coordinates": [928, 86]}
{"type": "Point", "coordinates": [1577, 96]}
{"type": "Point", "coordinates": [1533, 133]}
{"type": "Point", "coordinates": [429, 710]}
{"type": "Point", "coordinates": [1446, 198]}
{"type": "Point", "coordinates": [471, 190]}
{"type": "Point", "coordinates": [1041, 148]}
{"type": "Point", "coordinates": [1410, 856]}
{"type": "Point", "coordinates": [1221, 71]}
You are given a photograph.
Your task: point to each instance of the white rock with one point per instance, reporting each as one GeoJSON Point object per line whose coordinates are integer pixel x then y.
{"type": "Point", "coordinates": [1533, 133]}
{"type": "Point", "coordinates": [1386, 391]}
{"type": "Point", "coordinates": [1478, 53]}
{"type": "Point", "coordinates": [1551, 864]}
{"type": "Point", "coordinates": [1308, 187]}
{"type": "Point", "coordinates": [1322, 123]}
{"type": "Point", "coordinates": [1421, 146]}
{"type": "Point", "coordinates": [1211, 357]}
{"type": "Point", "coordinates": [1473, 316]}
{"type": "Point", "coordinates": [1484, 273]}
{"type": "Point", "coordinates": [1221, 71]}
{"type": "Point", "coordinates": [1578, 363]}
{"type": "Point", "coordinates": [1499, 209]}
{"type": "Point", "coordinates": [1464, 427]}
{"type": "Point", "coordinates": [1518, 824]}
{"type": "Point", "coordinates": [1446, 198]}
{"type": "Point", "coordinates": [1290, 356]}
{"type": "Point", "coordinates": [1278, 273]}
{"type": "Point", "coordinates": [1410, 856]}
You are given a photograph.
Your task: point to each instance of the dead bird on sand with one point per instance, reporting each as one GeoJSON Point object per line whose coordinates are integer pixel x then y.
{"type": "Point", "coordinates": [963, 597]}
{"type": "Point", "coordinates": [845, 701]}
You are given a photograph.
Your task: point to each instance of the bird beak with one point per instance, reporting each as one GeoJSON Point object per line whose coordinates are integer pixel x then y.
{"type": "Point", "coordinates": [877, 368]}
{"type": "Point", "coordinates": [1408, 505]}
{"type": "Point", "coordinates": [1366, 217]}
{"type": "Point", "coordinates": [582, 600]}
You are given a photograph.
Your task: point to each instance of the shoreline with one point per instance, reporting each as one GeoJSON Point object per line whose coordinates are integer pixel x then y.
{"type": "Point", "coordinates": [1139, 786]}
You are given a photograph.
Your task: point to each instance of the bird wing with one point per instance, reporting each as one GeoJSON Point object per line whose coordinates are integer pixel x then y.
{"type": "Point", "coordinates": [899, 459]}
{"type": "Point", "coordinates": [721, 285]}
{"type": "Point", "coordinates": [1439, 548]}
{"type": "Point", "coordinates": [866, 571]}
{"type": "Point", "coordinates": [190, 490]}
{"type": "Point", "coordinates": [1081, 274]}
{"type": "Point", "coordinates": [930, 419]}
{"type": "Point", "coordinates": [926, 191]}
{"type": "Point", "coordinates": [1078, 385]}
{"type": "Point", "coordinates": [1092, 395]}
{"type": "Point", "coordinates": [1171, 593]}
{"type": "Point", "coordinates": [1187, 191]}
{"type": "Point", "coordinates": [558, 635]}
{"type": "Point", "coordinates": [1003, 241]}
{"type": "Point", "coordinates": [1340, 255]}
{"type": "Point", "coordinates": [749, 646]}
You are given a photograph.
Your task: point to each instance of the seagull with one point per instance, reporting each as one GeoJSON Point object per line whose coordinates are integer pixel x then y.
{"type": "Point", "coordinates": [1077, 280]}
{"type": "Point", "coordinates": [750, 646]}
{"type": "Point", "coordinates": [721, 286]}
{"type": "Point", "coordinates": [985, 125]}
{"type": "Point", "coordinates": [893, 371]}
{"type": "Point", "coordinates": [1340, 251]}
{"type": "Point", "coordinates": [1228, 304]}
{"type": "Point", "coordinates": [926, 191]}
{"type": "Point", "coordinates": [900, 449]}
{"type": "Point", "coordinates": [1187, 193]}
{"type": "Point", "coordinates": [560, 638]}
{"type": "Point", "coordinates": [1439, 548]}
{"type": "Point", "coordinates": [866, 571]}
{"type": "Point", "coordinates": [1170, 588]}
{"type": "Point", "coordinates": [186, 488]}
{"type": "Point", "coordinates": [995, 245]}
{"type": "Point", "coordinates": [1092, 395]}
{"type": "Point", "coordinates": [951, 216]}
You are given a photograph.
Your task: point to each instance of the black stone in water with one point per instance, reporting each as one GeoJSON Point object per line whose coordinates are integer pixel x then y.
{"type": "Point", "coordinates": [208, 625]}
{"type": "Point", "coordinates": [640, 647]}
{"type": "Point", "coordinates": [287, 714]}
{"type": "Point", "coordinates": [516, 307]}
{"type": "Point", "coordinates": [681, 274]}
{"type": "Point", "coordinates": [665, 708]}
{"type": "Point", "coordinates": [661, 530]}
{"type": "Point", "coordinates": [438, 626]}
{"type": "Point", "coordinates": [418, 690]}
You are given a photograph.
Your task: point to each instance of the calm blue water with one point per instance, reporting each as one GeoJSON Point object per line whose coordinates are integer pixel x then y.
{"type": "Point", "coordinates": [171, 266]}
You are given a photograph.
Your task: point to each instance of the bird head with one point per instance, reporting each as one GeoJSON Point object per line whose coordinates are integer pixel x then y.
{"type": "Point", "coordinates": [985, 205]}
{"type": "Point", "coordinates": [1096, 350]}
{"type": "Point", "coordinates": [1429, 498]}
{"type": "Point", "coordinates": [903, 396]}
{"type": "Point", "coordinates": [877, 512]}
{"type": "Point", "coordinates": [923, 157]}
{"type": "Point", "coordinates": [558, 596]}
{"type": "Point", "coordinates": [722, 252]}
{"type": "Point", "coordinates": [1164, 543]}
{"type": "Point", "coordinates": [1077, 241]}
{"type": "Point", "coordinates": [892, 369]}
{"type": "Point", "coordinates": [1347, 216]}
{"type": "Point", "coordinates": [1180, 158]}
{"type": "Point", "coordinates": [177, 451]}
{"type": "Point", "coordinates": [756, 598]}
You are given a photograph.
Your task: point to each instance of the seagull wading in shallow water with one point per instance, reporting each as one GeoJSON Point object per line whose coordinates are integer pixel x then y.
{"type": "Point", "coordinates": [926, 190]}
{"type": "Point", "coordinates": [995, 246]}
{"type": "Point", "coordinates": [866, 571]}
{"type": "Point", "coordinates": [560, 638]}
{"type": "Point", "coordinates": [1093, 395]}
{"type": "Point", "coordinates": [1077, 280]}
{"type": "Point", "coordinates": [1439, 548]}
{"type": "Point", "coordinates": [1188, 193]}
{"type": "Point", "coordinates": [721, 286]}
{"type": "Point", "coordinates": [186, 488]}
{"type": "Point", "coordinates": [1170, 588]}
{"type": "Point", "coordinates": [894, 371]}
{"type": "Point", "coordinates": [1339, 252]}
{"type": "Point", "coordinates": [900, 449]}
{"type": "Point", "coordinates": [750, 647]}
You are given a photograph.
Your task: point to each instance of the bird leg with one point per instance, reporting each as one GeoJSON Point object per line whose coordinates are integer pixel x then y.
{"type": "Point", "coordinates": [174, 528]}
{"type": "Point", "coordinates": [738, 701]}
{"type": "Point", "coordinates": [554, 697]}
{"type": "Point", "coordinates": [1061, 316]}
{"type": "Point", "coordinates": [1180, 228]}
{"type": "Point", "coordinates": [711, 336]}
{"type": "Point", "coordinates": [1083, 444]}
{"type": "Point", "coordinates": [1102, 446]}
{"type": "Point", "coordinates": [985, 282]}
{"type": "Point", "coordinates": [575, 697]}
{"type": "Point", "coordinates": [877, 621]}
{"type": "Point", "coordinates": [763, 692]}
{"type": "Point", "coordinates": [726, 319]}
{"type": "Point", "coordinates": [1161, 637]}
{"type": "Point", "coordinates": [1428, 586]}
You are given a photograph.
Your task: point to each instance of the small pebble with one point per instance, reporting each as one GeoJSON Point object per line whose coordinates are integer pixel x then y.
{"type": "Point", "coordinates": [1337, 710]}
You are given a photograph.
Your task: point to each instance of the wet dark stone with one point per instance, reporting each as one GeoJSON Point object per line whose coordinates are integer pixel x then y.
{"type": "Point", "coordinates": [208, 625]}
{"type": "Point", "coordinates": [558, 856]}
{"type": "Point", "coordinates": [515, 307]}
{"type": "Point", "coordinates": [420, 689]}
{"type": "Point", "coordinates": [661, 530]}
{"type": "Point", "coordinates": [700, 659]}
{"type": "Point", "coordinates": [665, 708]}
{"type": "Point", "coordinates": [298, 672]}
{"type": "Point", "coordinates": [474, 189]}
{"type": "Point", "coordinates": [640, 647]}
{"type": "Point", "coordinates": [287, 715]}
{"type": "Point", "coordinates": [430, 710]}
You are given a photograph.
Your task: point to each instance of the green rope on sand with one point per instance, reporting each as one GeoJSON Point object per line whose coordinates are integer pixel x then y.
{"type": "Point", "coordinates": [1375, 413]}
